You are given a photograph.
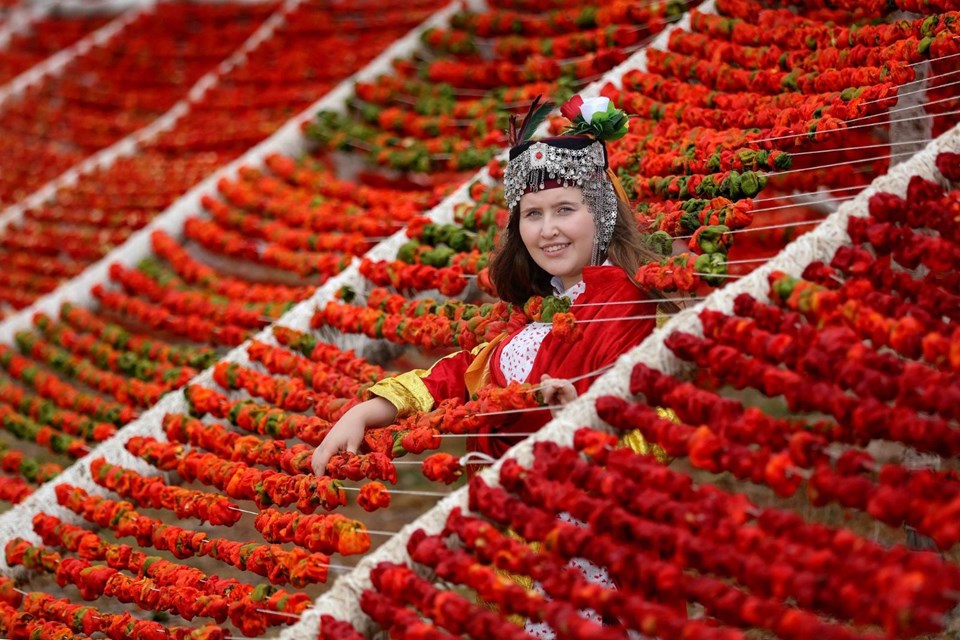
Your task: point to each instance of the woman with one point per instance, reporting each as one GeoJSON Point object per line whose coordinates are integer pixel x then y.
{"type": "Point", "coordinates": [571, 233]}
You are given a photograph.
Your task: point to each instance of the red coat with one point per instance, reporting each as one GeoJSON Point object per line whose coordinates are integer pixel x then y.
{"type": "Point", "coordinates": [600, 344]}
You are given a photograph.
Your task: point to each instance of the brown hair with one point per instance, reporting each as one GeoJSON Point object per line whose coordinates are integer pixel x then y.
{"type": "Point", "coordinates": [516, 277]}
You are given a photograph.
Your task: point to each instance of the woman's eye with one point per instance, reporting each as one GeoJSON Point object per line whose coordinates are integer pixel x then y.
{"type": "Point", "coordinates": [531, 214]}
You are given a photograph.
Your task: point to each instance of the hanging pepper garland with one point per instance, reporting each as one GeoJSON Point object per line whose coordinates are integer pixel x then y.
{"type": "Point", "coordinates": [166, 287]}
{"type": "Point", "coordinates": [215, 238]}
{"type": "Point", "coordinates": [708, 449]}
{"type": "Point", "coordinates": [747, 30]}
{"type": "Point", "coordinates": [196, 273]}
{"type": "Point", "coordinates": [403, 623]}
{"type": "Point", "coordinates": [232, 446]}
{"type": "Point", "coordinates": [154, 492]}
{"type": "Point", "coordinates": [239, 481]}
{"type": "Point", "coordinates": [907, 336]}
{"type": "Point", "coordinates": [46, 412]}
{"type": "Point", "coordinates": [13, 622]}
{"type": "Point", "coordinates": [130, 392]}
{"type": "Point", "coordinates": [858, 262]}
{"type": "Point", "coordinates": [865, 415]}
{"type": "Point", "coordinates": [263, 419]}
{"type": "Point", "coordinates": [560, 20]}
{"type": "Point", "coordinates": [852, 365]}
{"type": "Point", "coordinates": [105, 357]}
{"type": "Point", "coordinates": [63, 394]}
{"type": "Point", "coordinates": [696, 405]}
{"type": "Point", "coordinates": [47, 437]}
{"type": "Point", "coordinates": [14, 490]}
{"type": "Point", "coordinates": [30, 469]}
{"type": "Point", "coordinates": [85, 321]}
{"type": "Point", "coordinates": [197, 328]}
{"type": "Point", "coordinates": [86, 620]}
{"type": "Point", "coordinates": [449, 281]}
{"type": "Point", "coordinates": [414, 324]}
{"type": "Point", "coordinates": [318, 376]}
{"type": "Point", "coordinates": [401, 585]}
{"type": "Point", "coordinates": [279, 566]}
{"type": "Point", "coordinates": [668, 89]}
{"type": "Point", "coordinates": [96, 580]}
{"type": "Point", "coordinates": [346, 362]}
{"type": "Point", "coordinates": [286, 393]}
{"type": "Point", "coordinates": [725, 77]}
{"type": "Point", "coordinates": [677, 218]}
{"type": "Point", "coordinates": [911, 50]}
{"type": "Point", "coordinates": [319, 533]}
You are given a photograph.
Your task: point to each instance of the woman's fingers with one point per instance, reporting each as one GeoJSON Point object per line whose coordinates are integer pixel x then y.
{"type": "Point", "coordinates": [565, 392]}
{"type": "Point", "coordinates": [321, 456]}
{"type": "Point", "coordinates": [556, 390]}
{"type": "Point", "coordinates": [548, 389]}
{"type": "Point", "coordinates": [334, 443]}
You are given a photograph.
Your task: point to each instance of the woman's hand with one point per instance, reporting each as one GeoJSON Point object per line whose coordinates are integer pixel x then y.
{"type": "Point", "coordinates": [347, 434]}
{"type": "Point", "coordinates": [557, 391]}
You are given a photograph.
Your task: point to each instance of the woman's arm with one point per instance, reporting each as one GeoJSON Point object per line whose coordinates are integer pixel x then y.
{"type": "Point", "coordinates": [411, 392]}
{"type": "Point", "coordinates": [347, 434]}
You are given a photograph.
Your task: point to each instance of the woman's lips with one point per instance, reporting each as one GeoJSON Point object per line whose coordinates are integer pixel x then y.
{"type": "Point", "coordinates": [554, 249]}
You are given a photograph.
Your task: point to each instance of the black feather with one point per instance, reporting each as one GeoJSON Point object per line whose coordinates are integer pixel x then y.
{"type": "Point", "coordinates": [536, 115]}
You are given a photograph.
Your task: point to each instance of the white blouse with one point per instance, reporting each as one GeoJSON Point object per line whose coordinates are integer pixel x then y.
{"type": "Point", "coordinates": [516, 362]}
{"type": "Point", "coordinates": [516, 359]}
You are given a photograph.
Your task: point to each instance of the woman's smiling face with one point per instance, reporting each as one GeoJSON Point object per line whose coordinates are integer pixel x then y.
{"type": "Point", "coordinates": [558, 230]}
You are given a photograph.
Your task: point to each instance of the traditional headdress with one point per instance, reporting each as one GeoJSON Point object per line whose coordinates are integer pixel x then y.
{"type": "Point", "coordinates": [577, 158]}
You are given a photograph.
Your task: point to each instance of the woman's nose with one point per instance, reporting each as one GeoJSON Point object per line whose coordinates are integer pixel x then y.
{"type": "Point", "coordinates": [549, 227]}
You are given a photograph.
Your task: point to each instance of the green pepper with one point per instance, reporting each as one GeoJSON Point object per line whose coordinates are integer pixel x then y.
{"type": "Point", "coordinates": [783, 286]}
{"type": "Point", "coordinates": [751, 183]}
{"type": "Point", "coordinates": [29, 469]}
{"type": "Point", "coordinates": [660, 242]}
{"type": "Point", "coordinates": [552, 305]}
{"type": "Point", "coordinates": [710, 238]}
{"type": "Point", "coordinates": [408, 251]}
{"type": "Point", "coordinates": [711, 263]}
{"type": "Point", "coordinates": [439, 256]}
{"type": "Point", "coordinates": [346, 293]}
{"type": "Point", "coordinates": [378, 326]}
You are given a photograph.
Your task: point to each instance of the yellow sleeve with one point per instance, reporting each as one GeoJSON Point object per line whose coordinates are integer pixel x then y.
{"type": "Point", "coordinates": [406, 392]}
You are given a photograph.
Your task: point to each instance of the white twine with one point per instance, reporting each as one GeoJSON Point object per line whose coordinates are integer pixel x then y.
{"type": "Point", "coordinates": [808, 203]}
{"type": "Point", "coordinates": [476, 457]}
{"type": "Point", "coordinates": [910, 107]}
{"type": "Point", "coordinates": [433, 494]}
{"type": "Point", "coordinates": [879, 145]}
{"type": "Point", "coordinates": [856, 126]}
{"type": "Point", "coordinates": [887, 156]}
{"type": "Point", "coordinates": [937, 59]}
{"type": "Point", "coordinates": [768, 227]}
{"type": "Point", "coordinates": [805, 194]}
